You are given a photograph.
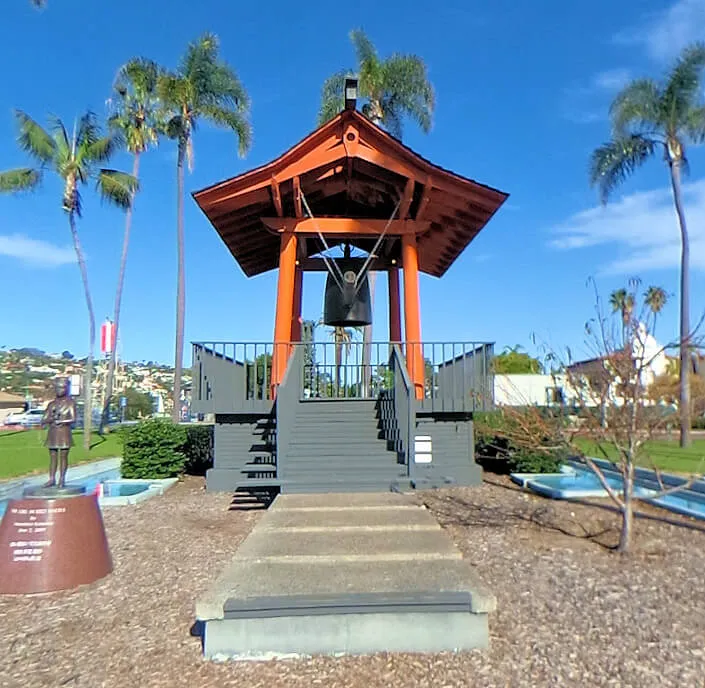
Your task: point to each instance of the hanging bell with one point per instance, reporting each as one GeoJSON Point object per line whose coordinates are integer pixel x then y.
{"type": "Point", "coordinates": [349, 307]}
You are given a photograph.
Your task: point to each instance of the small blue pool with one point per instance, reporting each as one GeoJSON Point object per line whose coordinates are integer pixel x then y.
{"type": "Point", "coordinates": [580, 482]}
{"type": "Point", "coordinates": [114, 490]}
{"type": "Point", "coordinates": [120, 489]}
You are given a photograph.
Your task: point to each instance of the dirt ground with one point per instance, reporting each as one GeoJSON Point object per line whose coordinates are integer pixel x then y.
{"type": "Point", "coordinates": [570, 612]}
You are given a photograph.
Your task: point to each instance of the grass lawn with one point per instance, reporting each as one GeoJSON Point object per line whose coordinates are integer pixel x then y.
{"type": "Point", "coordinates": [665, 454]}
{"type": "Point", "coordinates": [22, 452]}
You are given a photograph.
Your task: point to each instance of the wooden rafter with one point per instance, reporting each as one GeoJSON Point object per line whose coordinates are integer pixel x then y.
{"type": "Point", "coordinates": [277, 197]}
{"type": "Point", "coordinates": [423, 203]}
{"type": "Point", "coordinates": [344, 225]}
{"type": "Point", "coordinates": [298, 209]}
{"type": "Point", "coordinates": [406, 199]}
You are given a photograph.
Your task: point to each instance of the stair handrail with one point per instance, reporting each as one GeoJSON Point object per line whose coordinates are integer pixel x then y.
{"type": "Point", "coordinates": [287, 399]}
{"type": "Point", "coordinates": [404, 403]}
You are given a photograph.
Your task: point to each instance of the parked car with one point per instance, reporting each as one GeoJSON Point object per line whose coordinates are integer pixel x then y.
{"type": "Point", "coordinates": [25, 419]}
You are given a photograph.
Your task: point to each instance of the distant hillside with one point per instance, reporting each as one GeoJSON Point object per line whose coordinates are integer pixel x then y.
{"type": "Point", "coordinates": [29, 371]}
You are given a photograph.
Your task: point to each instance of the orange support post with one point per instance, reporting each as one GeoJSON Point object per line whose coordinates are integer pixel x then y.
{"type": "Point", "coordinates": [285, 308]}
{"type": "Point", "coordinates": [296, 317]}
{"type": "Point", "coordinates": [394, 305]}
{"type": "Point", "coordinates": [412, 314]}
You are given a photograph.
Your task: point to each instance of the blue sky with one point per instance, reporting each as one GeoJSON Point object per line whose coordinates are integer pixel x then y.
{"type": "Point", "coordinates": [522, 92]}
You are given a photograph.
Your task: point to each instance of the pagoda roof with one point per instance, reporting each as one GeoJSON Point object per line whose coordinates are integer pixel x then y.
{"type": "Point", "coordinates": [349, 168]}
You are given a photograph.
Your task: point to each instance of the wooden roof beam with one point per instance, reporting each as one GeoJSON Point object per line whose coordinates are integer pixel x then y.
{"type": "Point", "coordinates": [298, 209]}
{"type": "Point", "coordinates": [423, 203]}
{"type": "Point", "coordinates": [406, 199]}
{"type": "Point", "coordinates": [344, 225]}
{"type": "Point", "coordinates": [277, 197]}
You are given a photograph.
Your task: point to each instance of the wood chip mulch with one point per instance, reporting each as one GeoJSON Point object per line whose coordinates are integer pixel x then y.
{"type": "Point", "coordinates": [570, 612]}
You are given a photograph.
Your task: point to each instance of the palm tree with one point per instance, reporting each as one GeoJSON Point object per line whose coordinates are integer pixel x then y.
{"type": "Point", "coordinates": [136, 118]}
{"type": "Point", "coordinates": [203, 88]}
{"type": "Point", "coordinates": [623, 302]}
{"type": "Point", "coordinates": [75, 159]}
{"type": "Point", "coordinates": [655, 299]}
{"type": "Point", "coordinates": [393, 89]}
{"type": "Point", "coordinates": [648, 118]}
{"type": "Point", "coordinates": [343, 339]}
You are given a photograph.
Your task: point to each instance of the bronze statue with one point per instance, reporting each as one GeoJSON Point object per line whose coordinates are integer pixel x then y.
{"type": "Point", "coordinates": [59, 415]}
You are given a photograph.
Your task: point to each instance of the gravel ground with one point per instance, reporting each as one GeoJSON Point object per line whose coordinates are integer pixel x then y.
{"type": "Point", "coordinates": [570, 611]}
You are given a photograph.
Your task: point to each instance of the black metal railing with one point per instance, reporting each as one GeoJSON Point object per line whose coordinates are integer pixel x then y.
{"type": "Point", "coordinates": [456, 375]}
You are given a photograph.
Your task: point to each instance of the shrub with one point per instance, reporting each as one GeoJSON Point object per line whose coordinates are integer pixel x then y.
{"type": "Point", "coordinates": [198, 449]}
{"type": "Point", "coordinates": [537, 461]}
{"type": "Point", "coordinates": [153, 449]}
{"type": "Point", "coordinates": [510, 440]}
{"type": "Point", "coordinates": [699, 423]}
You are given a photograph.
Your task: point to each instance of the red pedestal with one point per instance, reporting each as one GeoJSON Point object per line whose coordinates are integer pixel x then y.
{"type": "Point", "coordinates": [52, 544]}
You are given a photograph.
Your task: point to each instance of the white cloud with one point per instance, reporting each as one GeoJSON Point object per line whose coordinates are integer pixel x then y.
{"type": "Point", "coordinates": [611, 79]}
{"type": "Point", "coordinates": [588, 104]}
{"type": "Point", "coordinates": [666, 33]}
{"type": "Point", "coordinates": [35, 251]}
{"type": "Point", "coordinates": [640, 231]}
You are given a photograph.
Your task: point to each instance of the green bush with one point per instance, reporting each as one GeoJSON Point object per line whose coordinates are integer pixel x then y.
{"type": "Point", "coordinates": [698, 423]}
{"type": "Point", "coordinates": [496, 452]}
{"type": "Point", "coordinates": [536, 461]}
{"type": "Point", "coordinates": [198, 449]}
{"type": "Point", "coordinates": [154, 449]}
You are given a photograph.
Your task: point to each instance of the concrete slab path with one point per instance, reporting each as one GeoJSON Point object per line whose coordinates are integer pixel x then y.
{"type": "Point", "coordinates": [344, 574]}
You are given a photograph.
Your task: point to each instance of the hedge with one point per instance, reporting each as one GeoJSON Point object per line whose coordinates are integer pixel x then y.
{"type": "Point", "coordinates": [159, 448]}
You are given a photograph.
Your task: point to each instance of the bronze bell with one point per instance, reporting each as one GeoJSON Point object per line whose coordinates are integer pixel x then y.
{"type": "Point", "coordinates": [345, 308]}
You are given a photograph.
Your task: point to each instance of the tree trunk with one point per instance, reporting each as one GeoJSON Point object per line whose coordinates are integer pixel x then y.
{"type": "Point", "coordinates": [118, 301]}
{"type": "Point", "coordinates": [625, 536]}
{"type": "Point", "coordinates": [684, 402]}
{"type": "Point", "coordinates": [367, 339]}
{"type": "Point", "coordinates": [180, 298]}
{"type": "Point", "coordinates": [376, 116]}
{"type": "Point", "coordinates": [87, 410]}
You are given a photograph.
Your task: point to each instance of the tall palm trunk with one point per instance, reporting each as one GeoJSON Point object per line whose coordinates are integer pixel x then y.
{"type": "Point", "coordinates": [118, 301]}
{"type": "Point", "coordinates": [180, 299]}
{"type": "Point", "coordinates": [367, 340]}
{"type": "Point", "coordinates": [87, 412]}
{"type": "Point", "coordinates": [376, 117]}
{"type": "Point", "coordinates": [684, 402]}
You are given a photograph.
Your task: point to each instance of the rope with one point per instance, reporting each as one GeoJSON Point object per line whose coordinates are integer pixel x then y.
{"type": "Point", "coordinates": [339, 276]}
{"type": "Point", "coordinates": [365, 266]}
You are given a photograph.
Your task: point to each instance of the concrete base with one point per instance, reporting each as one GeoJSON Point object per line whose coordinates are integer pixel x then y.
{"type": "Point", "coordinates": [344, 634]}
{"type": "Point", "coordinates": [344, 574]}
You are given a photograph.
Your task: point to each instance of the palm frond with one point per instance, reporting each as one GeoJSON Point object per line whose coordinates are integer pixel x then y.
{"type": "Point", "coordinates": [408, 89]}
{"type": "Point", "coordinates": [175, 93]}
{"type": "Point", "coordinates": [62, 140]}
{"type": "Point", "coordinates": [364, 48]}
{"type": "Point", "coordinates": [393, 121]}
{"type": "Point", "coordinates": [139, 75]}
{"type": "Point", "coordinates": [34, 139]}
{"type": "Point", "coordinates": [615, 161]}
{"type": "Point", "coordinates": [684, 85]}
{"type": "Point", "coordinates": [117, 187]}
{"type": "Point", "coordinates": [233, 120]}
{"type": "Point", "coordinates": [694, 124]}
{"type": "Point", "coordinates": [22, 179]}
{"type": "Point", "coordinates": [333, 96]}
{"type": "Point", "coordinates": [101, 149]}
{"type": "Point", "coordinates": [636, 109]}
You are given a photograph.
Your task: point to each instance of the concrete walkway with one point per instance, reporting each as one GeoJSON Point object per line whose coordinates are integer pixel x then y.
{"type": "Point", "coordinates": [344, 574]}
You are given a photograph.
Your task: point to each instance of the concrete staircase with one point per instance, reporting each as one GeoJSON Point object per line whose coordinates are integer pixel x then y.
{"type": "Point", "coordinates": [336, 446]}
{"type": "Point", "coordinates": [349, 574]}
